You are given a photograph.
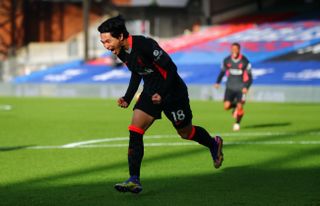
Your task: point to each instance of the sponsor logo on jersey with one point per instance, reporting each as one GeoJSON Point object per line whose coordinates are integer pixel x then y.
{"type": "Point", "coordinates": [145, 72]}
{"type": "Point", "coordinates": [235, 71]}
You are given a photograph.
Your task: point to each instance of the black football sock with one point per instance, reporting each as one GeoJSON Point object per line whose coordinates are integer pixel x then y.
{"type": "Point", "coordinates": [135, 153]}
{"type": "Point", "coordinates": [233, 104]}
{"type": "Point", "coordinates": [201, 136]}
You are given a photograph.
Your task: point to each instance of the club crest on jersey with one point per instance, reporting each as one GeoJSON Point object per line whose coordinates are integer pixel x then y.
{"type": "Point", "coordinates": [157, 54]}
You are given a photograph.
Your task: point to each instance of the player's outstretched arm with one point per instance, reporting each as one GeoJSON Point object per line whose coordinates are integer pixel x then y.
{"type": "Point", "coordinates": [132, 89]}
{"type": "Point", "coordinates": [219, 79]}
{"type": "Point", "coordinates": [221, 74]}
{"type": "Point", "coordinates": [249, 79]}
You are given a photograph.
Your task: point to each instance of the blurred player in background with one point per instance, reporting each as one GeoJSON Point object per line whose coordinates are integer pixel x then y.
{"type": "Point", "coordinates": [163, 90]}
{"type": "Point", "coordinates": [237, 68]}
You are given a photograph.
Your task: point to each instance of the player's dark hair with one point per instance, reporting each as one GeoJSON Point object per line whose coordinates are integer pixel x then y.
{"type": "Point", "coordinates": [236, 44]}
{"type": "Point", "coordinates": [115, 26]}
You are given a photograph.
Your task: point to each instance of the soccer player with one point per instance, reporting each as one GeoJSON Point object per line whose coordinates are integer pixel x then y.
{"type": "Point", "coordinates": [163, 90]}
{"type": "Point", "coordinates": [238, 70]}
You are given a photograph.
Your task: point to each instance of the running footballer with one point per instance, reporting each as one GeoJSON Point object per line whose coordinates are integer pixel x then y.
{"type": "Point", "coordinates": [163, 90]}
{"type": "Point", "coordinates": [238, 70]}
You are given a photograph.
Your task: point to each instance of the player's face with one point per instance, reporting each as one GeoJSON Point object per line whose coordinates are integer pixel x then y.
{"type": "Point", "coordinates": [235, 51]}
{"type": "Point", "coordinates": [111, 43]}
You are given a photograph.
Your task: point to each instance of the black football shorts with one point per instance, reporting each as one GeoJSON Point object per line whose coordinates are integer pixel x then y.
{"type": "Point", "coordinates": [177, 111]}
{"type": "Point", "coordinates": [233, 95]}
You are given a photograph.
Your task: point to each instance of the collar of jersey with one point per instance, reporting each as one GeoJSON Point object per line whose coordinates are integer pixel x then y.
{"type": "Point", "coordinates": [130, 44]}
{"type": "Point", "coordinates": [238, 59]}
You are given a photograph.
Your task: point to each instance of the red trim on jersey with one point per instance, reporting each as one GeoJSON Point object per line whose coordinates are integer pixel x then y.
{"type": "Point", "coordinates": [130, 41]}
{"type": "Point", "coordinates": [193, 132]}
{"type": "Point", "coordinates": [162, 71]}
{"type": "Point", "coordinates": [227, 73]}
{"type": "Point", "coordinates": [245, 76]}
{"type": "Point", "coordinates": [140, 62]}
{"type": "Point", "coordinates": [136, 129]}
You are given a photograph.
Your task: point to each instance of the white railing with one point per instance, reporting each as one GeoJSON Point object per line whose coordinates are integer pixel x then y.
{"type": "Point", "coordinates": [199, 92]}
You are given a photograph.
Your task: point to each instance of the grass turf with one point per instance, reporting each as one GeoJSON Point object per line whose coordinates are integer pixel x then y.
{"type": "Point", "coordinates": [280, 166]}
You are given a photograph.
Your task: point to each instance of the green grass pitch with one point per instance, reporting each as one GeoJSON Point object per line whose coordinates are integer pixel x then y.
{"type": "Point", "coordinates": [273, 160]}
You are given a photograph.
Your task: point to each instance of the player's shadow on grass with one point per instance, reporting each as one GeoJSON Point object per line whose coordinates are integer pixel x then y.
{"type": "Point", "coordinates": [12, 148]}
{"type": "Point", "coordinates": [267, 125]}
{"type": "Point", "coordinates": [232, 186]}
{"type": "Point", "coordinates": [265, 183]}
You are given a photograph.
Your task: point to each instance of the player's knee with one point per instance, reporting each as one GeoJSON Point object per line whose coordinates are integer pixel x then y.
{"type": "Point", "coordinates": [136, 130]}
{"type": "Point", "coordinates": [187, 133]}
{"type": "Point", "coordinates": [226, 106]}
{"type": "Point", "coordinates": [239, 106]}
{"type": "Point", "coordinates": [183, 134]}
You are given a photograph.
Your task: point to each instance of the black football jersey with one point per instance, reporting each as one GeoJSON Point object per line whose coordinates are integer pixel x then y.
{"type": "Point", "coordinates": [238, 72]}
{"type": "Point", "coordinates": [147, 61]}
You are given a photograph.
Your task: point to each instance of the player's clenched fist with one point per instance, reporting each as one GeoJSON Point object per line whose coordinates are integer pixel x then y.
{"type": "Point", "coordinates": [122, 103]}
{"type": "Point", "coordinates": [156, 98]}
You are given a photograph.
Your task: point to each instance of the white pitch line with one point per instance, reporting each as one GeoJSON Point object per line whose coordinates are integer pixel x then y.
{"type": "Point", "coordinates": [5, 107]}
{"type": "Point", "coordinates": [179, 144]}
{"type": "Point", "coordinates": [114, 139]}
{"type": "Point", "coordinates": [92, 143]}
{"type": "Point", "coordinates": [77, 144]}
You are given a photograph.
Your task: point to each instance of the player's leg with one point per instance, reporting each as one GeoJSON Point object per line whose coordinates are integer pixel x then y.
{"type": "Point", "coordinates": [143, 116]}
{"type": "Point", "coordinates": [239, 115]}
{"type": "Point", "coordinates": [231, 105]}
{"type": "Point", "coordinates": [200, 135]}
{"type": "Point", "coordinates": [227, 105]}
{"type": "Point", "coordinates": [229, 102]}
{"type": "Point", "coordinates": [180, 115]}
{"type": "Point", "coordinates": [239, 111]}
{"type": "Point", "coordinates": [141, 121]}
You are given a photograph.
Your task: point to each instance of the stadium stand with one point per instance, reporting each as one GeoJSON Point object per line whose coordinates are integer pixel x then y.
{"type": "Point", "coordinates": [198, 55]}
